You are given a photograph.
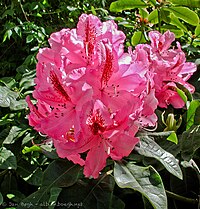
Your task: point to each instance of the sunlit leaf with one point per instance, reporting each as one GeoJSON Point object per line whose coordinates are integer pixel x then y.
{"type": "Point", "coordinates": [7, 96]}
{"type": "Point", "coordinates": [145, 180]}
{"type": "Point", "coordinates": [175, 21]}
{"type": "Point", "coordinates": [153, 17]}
{"type": "Point", "coordinates": [191, 112]}
{"type": "Point", "coordinates": [185, 14]}
{"type": "Point", "coordinates": [120, 5]}
{"type": "Point", "coordinates": [173, 138]}
{"type": "Point", "coordinates": [149, 148]}
{"type": "Point", "coordinates": [33, 148]}
{"type": "Point", "coordinates": [14, 134]}
{"type": "Point", "coordinates": [137, 38]}
{"type": "Point", "coordinates": [7, 159]}
{"type": "Point", "coordinates": [197, 30]}
{"type": "Point", "coordinates": [189, 3]}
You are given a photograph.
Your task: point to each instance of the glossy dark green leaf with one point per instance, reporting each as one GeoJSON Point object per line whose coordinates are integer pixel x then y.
{"type": "Point", "coordinates": [95, 194]}
{"type": "Point", "coordinates": [30, 173]}
{"type": "Point", "coordinates": [145, 180]}
{"type": "Point", "coordinates": [120, 5]}
{"type": "Point", "coordinates": [1, 198]}
{"type": "Point", "coordinates": [7, 97]}
{"type": "Point", "coordinates": [137, 38]}
{"type": "Point", "coordinates": [8, 81]}
{"type": "Point", "coordinates": [29, 38]}
{"type": "Point", "coordinates": [13, 135]}
{"type": "Point", "coordinates": [191, 112]}
{"type": "Point", "coordinates": [185, 14]}
{"type": "Point", "coordinates": [27, 80]}
{"type": "Point", "coordinates": [54, 193]}
{"type": "Point", "coordinates": [36, 200]}
{"type": "Point", "coordinates": [61, 174]}
{"type": "Point", "coordinates": [149, 148]}
{"type": "Point", "coordinates": [190, 142]}
{"type": "Point", "coordinates": [18, 105]}
{"type": "Point", "coordinates": [58, 174]}
{"type": "Point", "coordinates": [7, 159]}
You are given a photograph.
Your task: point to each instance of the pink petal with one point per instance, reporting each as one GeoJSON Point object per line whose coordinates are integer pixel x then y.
{"type": "Point", "coordinates": [95, 161]}
{"type": "Point", "coordinates": [122, 145]}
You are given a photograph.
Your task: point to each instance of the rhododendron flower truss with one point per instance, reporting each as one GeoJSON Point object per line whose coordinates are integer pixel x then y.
{"type": "Point", "coordinates": [165, 67]}
{"type": "Point", "coordinates": [92, 97]}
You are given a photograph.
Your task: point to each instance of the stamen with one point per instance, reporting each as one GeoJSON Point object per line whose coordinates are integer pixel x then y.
{"type": "Point", "coordinates": [58, 86]}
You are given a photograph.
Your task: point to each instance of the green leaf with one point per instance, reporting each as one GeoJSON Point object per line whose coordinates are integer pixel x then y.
{"type": "Point", "coordinates": [165, 15]}
{"type": "Point", "coordinates": [7, 97]}
{"type": "Point", "coordinates": [7, 34]}
{"type": "Point", "coordinates": [173, 138]}
{"type": "Point", "coordinates": [182, 94]}
{"type": "Point", "coordinates": [153, 17]}
{"type": "Point", "coordinates": [61, 174]}
{"type": "Point", "coordinates": [197, 30]}
{"type": "Point", "coordinates": [13, 135]}
{"type": "Point", "coordinates": [18, 31]}
{"type": "Point", "coordinates": [188, 3]}
{"type": "Point", "coordinates": [27, 79]}
{"type": "Point", "coordinates": [30, 173]}
{"type": "Point", "coordinates": [186, 91]}
{"type": "Point", "coordinates": [18, 105]}
{"type": "Point", "coordinates": [7, 159]}
{"type": "Point", "coordinates": [34, 148]}
{"type": "Point", "coordinates": [185, 14]}
{"type": "Point", "coordinates": [137, 38]}
{"type": "Point", "coordinates": [29, 38]}
{"type": "Point", "coordinates": [149, 148]}
{"type": "Point", "coordinates": [58, 174]}
{"type": "Point", "coordinates": [1, 198]}
{"type": "Point", "coordinates": [178, 33]}
{"type": "Point", "coordinates": [143, 13]}
{"type": "Point", "coordinates": [175, 21]}
{"type": "Point", "coordinates": [145, 180]}
{"type": "Point", "coordinates": [8, 81]}
{"type": "Point", "coordinates": [190, 142]}
{"type": "Point", "coordinates": [54, 193]}
{"type": "Point", "coordinates": [120, 5]}
{"type": "Point", "coordinates": [191, 113]}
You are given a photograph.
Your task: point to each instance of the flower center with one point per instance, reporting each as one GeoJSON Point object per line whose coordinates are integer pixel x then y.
{"type": "Point", "coordinates": [96, 123]}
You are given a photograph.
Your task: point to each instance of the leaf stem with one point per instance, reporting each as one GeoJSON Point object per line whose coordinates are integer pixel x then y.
{"type": "Point", "coordinates": [159, 20]}
{"type": "Point", "coordinates": [181, 198]}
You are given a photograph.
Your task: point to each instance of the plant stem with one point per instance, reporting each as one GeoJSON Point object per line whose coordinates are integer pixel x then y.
{"type": "Point", "coordinates": [181, 198]}
{"type": "Point", "coordinates": [23, 11]}
{"type": "Point", "coordinates": [159, 20]}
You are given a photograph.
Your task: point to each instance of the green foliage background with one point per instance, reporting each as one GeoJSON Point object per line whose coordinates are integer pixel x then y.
{"type": "Point", "coordinates": [32, 176]}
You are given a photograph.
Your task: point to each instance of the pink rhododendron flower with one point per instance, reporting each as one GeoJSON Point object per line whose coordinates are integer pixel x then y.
{"type": "Point", "coordinates": [164, 66]}
{"type": "Point", "coordinates": [92, 97]}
